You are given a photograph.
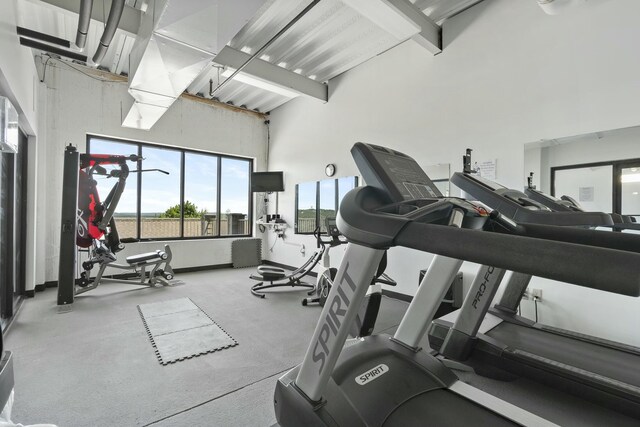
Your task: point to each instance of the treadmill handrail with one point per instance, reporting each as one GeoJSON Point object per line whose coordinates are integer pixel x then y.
{"type": "Point", "coordinates": [599, 268]}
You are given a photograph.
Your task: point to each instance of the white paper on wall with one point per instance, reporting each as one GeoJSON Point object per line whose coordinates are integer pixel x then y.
{"type": "Point", "coordinates": [585, 194]}
{"type": "Point", "coordinates": [486, 169]}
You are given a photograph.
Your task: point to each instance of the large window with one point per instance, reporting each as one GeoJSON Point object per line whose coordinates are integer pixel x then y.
{"type": "Point", "coordinates": [317, 200]}
{"type": "Point", "coordinates": [201, 195]}
{"type": "Point", "coordinates": [612, 186]}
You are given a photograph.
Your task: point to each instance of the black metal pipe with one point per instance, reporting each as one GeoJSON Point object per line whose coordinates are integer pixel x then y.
{"type": "Point", "coordinates": [84, 18]}
{"type": "Point", "coordinates": [115, 13]}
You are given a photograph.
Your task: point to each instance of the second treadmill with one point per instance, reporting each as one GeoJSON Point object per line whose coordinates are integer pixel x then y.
{"type": "Point", "coordinates": [604, 371]}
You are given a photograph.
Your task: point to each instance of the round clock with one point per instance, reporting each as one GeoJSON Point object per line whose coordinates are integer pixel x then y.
{"type": "Point", "coordinates": [330, 169]}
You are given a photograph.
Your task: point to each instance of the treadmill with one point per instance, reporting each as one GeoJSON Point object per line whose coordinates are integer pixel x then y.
{"type": "Point", "coordinates": [569, 204]}
{"type": "Point", "coordinates": [603, 371]}
{"type": "Point", "coordinates": [390, 381]}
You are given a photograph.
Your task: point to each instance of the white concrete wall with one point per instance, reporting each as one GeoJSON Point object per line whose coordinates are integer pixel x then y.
{"type": "Point", "coordinates": [19, 82]}
{"type": "Point", "coordinates": [18, 77]}
{"type": "Point", "coordinates": [77, 105]}
{"type": "Point", "coordinates": [508, 75]}
{"type": "Point", "coordinates": [616, 144]}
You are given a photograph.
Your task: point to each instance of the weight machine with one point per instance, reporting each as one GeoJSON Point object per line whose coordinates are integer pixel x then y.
{"type": "Point", "coordinates": [89, 223]}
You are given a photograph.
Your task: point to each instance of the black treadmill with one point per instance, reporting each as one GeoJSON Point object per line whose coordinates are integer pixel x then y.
{"type": "Point", "coordinates": [391, 381]}
{"type": "Point", "coordinates": [568, 204]}
{"type": "Point", "coordinates": [603, 371]}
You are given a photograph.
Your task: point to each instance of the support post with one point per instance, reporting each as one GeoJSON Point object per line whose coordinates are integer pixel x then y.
{"type": "Point", "coordinates": [67, 266]}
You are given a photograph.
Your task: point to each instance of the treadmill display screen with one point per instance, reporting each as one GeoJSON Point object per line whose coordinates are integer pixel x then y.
{"type": "Point", "coordinates": [407, 176]}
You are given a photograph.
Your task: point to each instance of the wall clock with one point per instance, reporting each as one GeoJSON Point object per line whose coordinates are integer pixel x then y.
{"type": "Point", "coordinates": [330, 169]}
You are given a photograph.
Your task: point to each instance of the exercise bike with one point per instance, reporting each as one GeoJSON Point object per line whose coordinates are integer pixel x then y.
{"type": "Point", "coordinates": [368, 314]}
{"type": "Point", "coordinates": [327, 275]}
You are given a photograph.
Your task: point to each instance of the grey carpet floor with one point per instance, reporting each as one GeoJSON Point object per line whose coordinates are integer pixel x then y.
{"type": "Point", "coordinates": [94, 366]}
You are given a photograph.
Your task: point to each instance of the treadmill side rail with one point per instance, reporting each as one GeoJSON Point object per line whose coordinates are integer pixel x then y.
{"type": "Point", "coordinates": [506, 409]}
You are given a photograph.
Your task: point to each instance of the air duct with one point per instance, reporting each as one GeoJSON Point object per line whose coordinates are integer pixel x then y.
{"type": "Point", "coordinates": [84, 18]}
{"type": "Point", "coordinates": [556, 7]}
{"type": "Point", "coordinates": [176, 41]}
{"type": "Point", "coordinates": [115, 13]}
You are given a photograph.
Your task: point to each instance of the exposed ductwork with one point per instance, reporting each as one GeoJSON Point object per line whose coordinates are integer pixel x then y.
{"type": "Point", "coordinates": [115, 13]}
{"type": "Point", "coordinates": [84, 18]}
{"type": "Point", "coordinates": [556, 7]}
{"type": "Point", "coordinates": [176, 41]}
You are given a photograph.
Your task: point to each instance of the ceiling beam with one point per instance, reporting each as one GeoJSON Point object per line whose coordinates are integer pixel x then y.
{"type": "Point", "coordinates": [129, 23]}
{"type": "Point", "coordinates": [273, 74]}
{"type": "Point", "coordinates": [402, 19]}
{"type": "Point", "coordinates": [422, 4]}
{"type": "Point", "coordinates": [439, 11]}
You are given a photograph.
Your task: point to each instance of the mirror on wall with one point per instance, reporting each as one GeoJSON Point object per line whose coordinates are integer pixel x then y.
{"type": "Point", "coordinates": [600, 170]}
{"type": "Point", "coordinates": [440, 174]}
{"type": "Point", "coordinates": [317, 200]}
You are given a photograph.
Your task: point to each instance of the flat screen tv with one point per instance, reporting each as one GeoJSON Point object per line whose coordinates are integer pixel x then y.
{"type": "Point", "coordinates": [266, 182]}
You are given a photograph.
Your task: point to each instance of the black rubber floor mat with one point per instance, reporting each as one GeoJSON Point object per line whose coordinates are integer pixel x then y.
{"type": "Point", "coordinates": [179, 330]}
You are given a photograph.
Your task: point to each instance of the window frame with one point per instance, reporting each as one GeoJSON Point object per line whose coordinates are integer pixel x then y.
{"type": "Point", "coordinates": [182, 152]}
{"type": "Point", "coordinates": [616, 168]}
{"type": "Point", "coordinates": [317, 217]}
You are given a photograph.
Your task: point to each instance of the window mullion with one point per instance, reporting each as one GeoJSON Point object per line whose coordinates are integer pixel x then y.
{"type": "Point", "coordinates": [318, 206]}
{"type": "Point", "coordinates": [182, 174]}
{"type": "Point", "coordinates": [218, 196]}
{"type": "Point", "coordinates": [139, 195]}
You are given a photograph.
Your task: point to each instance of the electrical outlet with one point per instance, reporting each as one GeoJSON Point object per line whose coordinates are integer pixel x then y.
{"type": "Point", "coordinates": [536, 293]}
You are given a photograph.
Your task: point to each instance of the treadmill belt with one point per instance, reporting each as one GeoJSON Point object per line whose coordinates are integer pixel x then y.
{"type": "Point", "coordinates": [443, 408]}
{"type": "Point", "coordinates": [605, 361]}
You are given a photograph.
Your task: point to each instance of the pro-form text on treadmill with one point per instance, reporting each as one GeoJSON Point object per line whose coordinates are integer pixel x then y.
{"type": "Point", "coordinates": [372, 374]}
{"type": "Point", "coordinates": [483, 286]}
{"type": "Point", "coordinates": [332, 321]}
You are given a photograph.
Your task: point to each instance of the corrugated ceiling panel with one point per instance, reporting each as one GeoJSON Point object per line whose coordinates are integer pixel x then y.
{"type": "Point", "coordinates": [328, 41]}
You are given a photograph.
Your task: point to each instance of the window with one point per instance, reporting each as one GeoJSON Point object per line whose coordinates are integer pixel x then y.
{"type": "Point", "coordinates": [201, 194]}
{"type": "Point", "coordinates": [160, 194]}
{"type": "Point", "coordinates": [201, 190]}
{"type": "Point", "coordinates": [612, 186]}
{"type": "Point", "coordinates": [317, 200]}
{"type": "Point", "coordinates": [234, 203]}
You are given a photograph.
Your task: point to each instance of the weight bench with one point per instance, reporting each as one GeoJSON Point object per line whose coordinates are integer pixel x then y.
{"type": "Point", "coordinates": [157, 261]}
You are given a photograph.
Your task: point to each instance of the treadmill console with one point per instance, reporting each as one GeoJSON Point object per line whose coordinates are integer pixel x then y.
{"type": "Point", "coordinates": [393, 172]}
{"type": "Point", "coordinates": [397, 193]}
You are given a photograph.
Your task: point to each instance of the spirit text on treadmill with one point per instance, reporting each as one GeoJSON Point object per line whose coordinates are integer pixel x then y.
{"type": "Point", "coordinates": [333, 319]}
{"type": "Point", "coordinates": [483, 286]}
{"type": "Point", "coordinates": [372, 374]}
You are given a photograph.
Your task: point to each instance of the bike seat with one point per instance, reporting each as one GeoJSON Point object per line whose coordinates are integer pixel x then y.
{"type": "Point", "coordinates": [146, 257]}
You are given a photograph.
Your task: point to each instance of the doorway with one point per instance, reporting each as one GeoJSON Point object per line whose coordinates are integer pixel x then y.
{"type": "Point", "coordinates": [13, 228]}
